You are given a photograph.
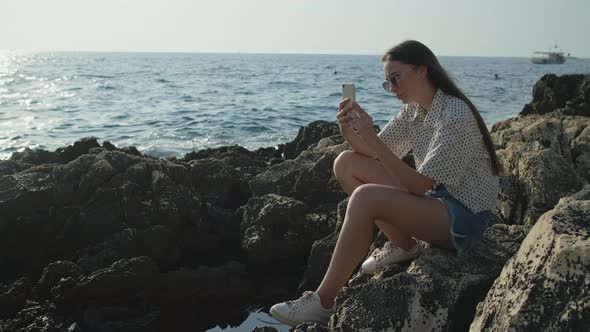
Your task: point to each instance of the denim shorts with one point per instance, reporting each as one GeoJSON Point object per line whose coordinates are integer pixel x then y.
{"type": "Point", "coordinates": [467, 228]}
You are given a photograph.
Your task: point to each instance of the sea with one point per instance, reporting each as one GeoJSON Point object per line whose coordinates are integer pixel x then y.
{"type": "Point", "coordinates": [169, 104]}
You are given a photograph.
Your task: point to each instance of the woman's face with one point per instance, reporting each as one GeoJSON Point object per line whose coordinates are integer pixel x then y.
{"type": "Point", "coordinates": [405, 80]}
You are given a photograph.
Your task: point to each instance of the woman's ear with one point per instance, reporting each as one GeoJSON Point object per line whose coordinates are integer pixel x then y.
{"type": "Point", "coordinates": [423, 71]}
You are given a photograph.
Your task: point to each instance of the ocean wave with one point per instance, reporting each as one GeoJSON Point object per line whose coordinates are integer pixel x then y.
{"type": "Point", "coordinates": [283, 83]}
{"type": "Point", "coordinates": [256, 128]}
{"type": "Point", "coordinates": [97, 76]}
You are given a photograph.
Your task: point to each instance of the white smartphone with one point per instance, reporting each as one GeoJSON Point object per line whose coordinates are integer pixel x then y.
{"type": "Point", "coordinates": [348, 91]}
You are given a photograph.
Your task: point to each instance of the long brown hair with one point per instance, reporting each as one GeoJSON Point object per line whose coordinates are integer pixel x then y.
{"type": "Point", "coordinates": [412, 52]}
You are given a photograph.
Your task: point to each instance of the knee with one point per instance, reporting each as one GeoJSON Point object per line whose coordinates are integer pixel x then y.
{"type": "Point", "coordinates": [364, 193]}
{"type": "Point", "coordinates": [371, 194]}
{"type": "Point", "coordinates": [342, 163]}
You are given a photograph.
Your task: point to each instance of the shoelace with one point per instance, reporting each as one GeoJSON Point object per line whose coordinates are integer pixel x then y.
{"type": "Point", "coordinates": [303, 300]}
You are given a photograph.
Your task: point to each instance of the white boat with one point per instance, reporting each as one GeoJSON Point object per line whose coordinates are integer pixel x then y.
{"type": "Point", "coordinates": [555, 56]}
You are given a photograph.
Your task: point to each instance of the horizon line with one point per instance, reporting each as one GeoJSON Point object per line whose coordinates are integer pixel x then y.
{"type": "Point", "coordinates": [239, 52]}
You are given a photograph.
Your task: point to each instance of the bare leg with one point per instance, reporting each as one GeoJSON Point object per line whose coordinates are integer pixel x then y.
{"type": "Point", "coordinates": [353, 170]}
{"type": "Point", "coordinates": [423, 217]}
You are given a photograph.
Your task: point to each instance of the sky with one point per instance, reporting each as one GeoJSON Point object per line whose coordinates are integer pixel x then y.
{"type": "Point", "coordinates": [451, 27]}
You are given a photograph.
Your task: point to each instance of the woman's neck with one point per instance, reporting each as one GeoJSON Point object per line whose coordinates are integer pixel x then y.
{"type": "Point", "coordinates": [425, 100]}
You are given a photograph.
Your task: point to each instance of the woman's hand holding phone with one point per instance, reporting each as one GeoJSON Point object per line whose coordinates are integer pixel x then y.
{"type": "Point", "coordinates": [343, 114]}
{"type": "Point", "coordinates": [351, 115]}
{"type": "Point", "coordinates": [353, 122]}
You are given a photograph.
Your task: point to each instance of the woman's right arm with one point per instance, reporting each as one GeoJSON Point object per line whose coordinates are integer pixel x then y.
{"type": "Point", "coordinates": [354, 140]}
{"type": "Point", "coordinates": [357, 144]}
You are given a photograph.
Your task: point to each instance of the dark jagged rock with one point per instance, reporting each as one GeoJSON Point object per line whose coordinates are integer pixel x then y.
{"type": "Point", "coordinates": [213, 284]}
{"type": "Point", "coordinates": [276, 227]}
{"type": "Point", "coordinates": [8, 167]}
{"type": "Point", "coordinates": [81, 147]}
{"type": "Point", "coordinates": [202, 296]}
{"type": "Point", "coordinates": [221, 175]}
{"type": "Point", "coordinates": [19, 192]}
{"type": "Point", "coordinates": [50, 211]}
{"type": "Point", "coordinates": [35, 157]}
{"type": "Point", "coordinates": [13, 297]}
{"type": "Point", "coordinates": [217, 153]}
{"type": "Point", "coordinates": [123, 278]}
{"type": "Point", "coordinates": [221, 183]}
{"type": "Point", "coordinates": [68, 153]}
{"type": "Point", "coordinates": [321, 253]}
{"type": "Point", "coordinates": [308, 135]}
{"type": "Point", "coordinates": [131, 294]}
{"type": "Point", "coordinates": [156, 242]}
{"type": "Point", "coordinates": [53, 274]}
{"type": "Point", "coordinates": [567, 92]}
{"type": "Point", "coordinates": [317, 262]}
{"type": "Point", "coordinates": [60, 156]}
{"type": "Point", "coordinates": [172, 201]}
{"type": "Point", "coordinates": [94, 221]}
{"type": "Point", "coordinates": [127, 149]}
{"type": "Point", "coordinates": [234, 152]}
{"type": "Point", "coordinates": [304, 178]}
{"type": "Point", "coordinates": [78, 179]}
{"type": "Point", "coordinates": [40, 317]}
{"type": "Point", "coordinates": [544, 287]}
{"type": "Point", "coordinates": [82, 210]}
{"type": "Point", "coordinates": [122, 318]}
{"type": "Point", "coordinates": [27, 227]}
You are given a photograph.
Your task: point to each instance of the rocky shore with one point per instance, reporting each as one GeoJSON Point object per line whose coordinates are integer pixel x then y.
{"type": "Point", "coordinates": [99, 238]}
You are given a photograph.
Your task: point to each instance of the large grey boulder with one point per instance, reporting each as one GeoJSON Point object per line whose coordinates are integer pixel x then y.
{"type": "Point", "coordinates": [547, 177]}
{"type": "Point", "coordinates": [546, 285]}
{"type": "Point", "coordinates": [545, 159]}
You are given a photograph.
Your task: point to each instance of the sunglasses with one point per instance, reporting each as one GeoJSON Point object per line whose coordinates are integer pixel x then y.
{"type": "Point", "coordinates": [393, 82]}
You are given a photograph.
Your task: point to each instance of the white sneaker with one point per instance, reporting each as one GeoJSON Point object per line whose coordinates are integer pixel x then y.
{"type": "Point", "coordinates": [390, 254]}
{"type": "Point", "coordinates": [307, 308]}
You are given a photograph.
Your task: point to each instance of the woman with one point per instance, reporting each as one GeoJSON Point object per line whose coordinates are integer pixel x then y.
{"type": "Point", "coordinates": [446, 201]}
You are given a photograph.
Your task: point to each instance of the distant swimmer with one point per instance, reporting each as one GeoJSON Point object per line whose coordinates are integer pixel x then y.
{"type": "Point", "coordinates": [495, 76]}
{"type": "Point", "coordinates": [335, 72]}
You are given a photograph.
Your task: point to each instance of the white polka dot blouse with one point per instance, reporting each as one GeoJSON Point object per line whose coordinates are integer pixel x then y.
{"type": "Point", "coordinates": [448, 147]}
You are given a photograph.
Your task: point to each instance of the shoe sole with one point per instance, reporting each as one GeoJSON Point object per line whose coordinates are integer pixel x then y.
{"type": "Point", "coordinates": [282, 319]}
